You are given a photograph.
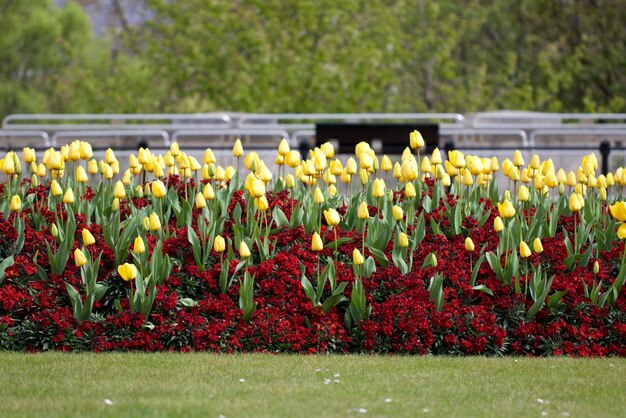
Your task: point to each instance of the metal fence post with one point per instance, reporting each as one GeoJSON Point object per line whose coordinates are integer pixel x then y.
{"type": "Point", "coordinates": [605, 150]}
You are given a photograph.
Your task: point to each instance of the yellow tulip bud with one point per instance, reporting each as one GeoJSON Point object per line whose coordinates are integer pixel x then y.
{"type": "Point", "coordinates": [318, 196]}
{"type": "Point", "coordinates": [238, 149]}
{"type": "Point", "coordinates": [506, 209]}
{"type": "Point", "coordinates": [115, 206]}
{"type": "Point", "coordinates": [283, 148]}
{"type": "Point", "coordinates": [158, 189]}
{"type": "Point", "coordinates": [174, 149]}
{"type": "Point", "coordinates": [386, 164]}
{"type": "Point", "coordinates": [154, 222]}
{"type": "Point", "coordinates": [88, 239]}
{"type": "Point", "coordinates": [15, 205]}
{"type": "Point", "coordinates": [351, 166]}
{"type": "Point", "coordinates": [244, 251]}
{"type": "Point", "coordinates": [200, 201]}
{"type": "Point", "coordinates": [596, 267]}
{"type": "Point", "coordinates": [378, 188]}
{"type": "Point", "coordinates": [357, 257]}
{"type": "Point", "coordinates": [618, 211]}
{"type": "Point", "coordinates": [416, 140]}
{"type": "Point", "coordinates": [219, 244]}
{"type": "Point", "coordinates": [290, 180]}
{"type": "Point", "coordinates": [119, 191]}
{"type": "Point", "coordinates": [574, 203]}
{"type": "Point", "coordinates": [292, 159]}
{"type": "Point", "coordinates": [523, 194]}
{"type": "Point", "coordinates": [68, 197]}
{"type": "Point", "coordinates": [409, 190]}
{"type": "Point", "coordinates": [85, 150]}
{"type": "Point", "coordinates": [469, 244]}
{"type": "Point", "coordinates": [518, 160]}
{"type": "Point", "coordinates": [498, 225]}
{"type": "Point", "coordinates": [332, 217]}
{"type": "Point", "coordinates": [316, 242]}
{"type": "Point", "coordinates": [621, 231]}
{"type": "Point", "coordinates": [261, 203]}
{"type": "Point", "coordinates": [403, 240]}
{"type": "Point", "coordinates": [127, 271]}
{"type": "Point", "coordinates": [28, 155]}
{"type": "Point", "coordinates": [139, 246]}
{"type": "Point", "coordinates": [79, 258]}
{"type": "Point", "coordinates": [397, 212]}
{"type": "Point", "coordinates": [363, 212]}
{"type": "Point", "coordinates": [524, 250]}
{"type": "Point", "coordinates": [537, 246]}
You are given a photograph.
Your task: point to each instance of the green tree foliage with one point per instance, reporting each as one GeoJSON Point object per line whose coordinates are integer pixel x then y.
{"type": "Point", "coordinates": [317, 56]}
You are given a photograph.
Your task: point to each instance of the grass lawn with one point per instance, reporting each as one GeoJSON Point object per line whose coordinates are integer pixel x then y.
{"type": "Point", "coordinates": [208, 385]}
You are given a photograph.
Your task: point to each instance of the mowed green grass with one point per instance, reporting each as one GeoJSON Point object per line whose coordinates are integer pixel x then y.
{"type": "Point", "coordinates": [208, 385]}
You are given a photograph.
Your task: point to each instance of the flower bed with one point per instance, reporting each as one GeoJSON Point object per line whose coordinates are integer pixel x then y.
{"type": "Point", "coordinates": [202, 259]}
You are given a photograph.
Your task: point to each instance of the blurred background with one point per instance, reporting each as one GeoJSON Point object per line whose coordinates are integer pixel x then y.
{"type": "Point", "coordinates": [299, 56]}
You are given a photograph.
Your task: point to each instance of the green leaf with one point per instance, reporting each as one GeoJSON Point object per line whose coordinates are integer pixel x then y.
{"type": "Point", "coordinates": [338, 242]}
{"type": "Point", "coordinates": [476, 268]}
{"type": "Point", "coordinates": [279, 217]}
{"type": "Point", "coordinates": [6, 263]}
{"type": "Point", "coordinates": [556, 298]}
{"type": "Point", "coordinates": [430, 260]}
{"type": "Point", "coordinates": [380, 257]}
{"type": "Point", "coordinates": [188, 302]}
{"type": "Point", "coordinates": [483, 288]}
{"type": "Point", "coordinates": [494, 263]}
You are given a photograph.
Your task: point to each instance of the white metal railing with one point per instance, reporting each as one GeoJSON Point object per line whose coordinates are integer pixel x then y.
{"type": "Point", "coordinates": [519, 133]}
{"type": "Point", "coordinates": [86, 135]}
{"type": "Point", "coordinates": [45, 138]}
{"type": "Point", "coordinates": [232, 134]}
{"type": "Point", "coordinates": [610, 132]}
{"type": "Point", "coordinates": [530, 120]}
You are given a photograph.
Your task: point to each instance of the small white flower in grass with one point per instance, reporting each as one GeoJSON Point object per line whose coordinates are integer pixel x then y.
{"type": "Point", "coordinates": [611, 366]}
{"type": "Point", "coordinates": [336, 380]}
{"type": "Point", "coordinates": [336, 375]}
{"type": "Point", "coordinates": [425, 410]}
{"type": "Point", "coordinates": [318, 370]}
{"type": "Point", "coordinates": [539, 400]}
{"type": "Point", "coordinates": [544, 414]}
{"type": "Point", "coordinates": [362, 411]}
{"type": "Point", "coordinates": [327, 381]}
{"type": "Point", "coordinates": [242, 380]}
{"type": "Point", "coordinates": [388, 400]}
{"type": "Point", "coordinates": [565, 414]}
{"type": "Point", "coordinates": [108, 402]}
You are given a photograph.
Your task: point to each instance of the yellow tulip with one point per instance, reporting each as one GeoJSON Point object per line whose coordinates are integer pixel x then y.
{"type": "Point", "coordinates": [261, 203]}
{"type": "Point", "coordinates": [621, 232]}
{"type": "Point", "coordinates": [154, 223]}
{"type": "Point", "coordinates": [15, 205]}
{"type": "Point", "coordinates": [416, 140]}
{"type": "Point", "coordinates": [357, 257]}
{"type": "Point", "coordinates": [200, 201]}
{"type": "Point", "coordinates": [351, 166]}
{"type": "Point", "coordinates": [426, 165]}
{"type": "Point", "coordinates": [174, 149]}
{"type": "Point", "coordinates": [292, 159]}
{"type": "Point", "coordinates": [127, 271]}
{"type": "Point", "coordinates": [618, 211]}
{"type": "Point", "coordinates": [403, 240]}
{"type": "Point", "coordinates": [8, 166]}
{"type": "Point", "coordinates": [85, 150]}
{"type": "Point", "coordinates": [498, 225]}
{"type": "Point", "coordinates": [386, 164]}
{"type": "Point", "coordinates": [574, 203]}
{"type": "Point", "coordinates": [537, 246]}
{"type": "Point", "coordinates": [244, 251]}
{"type": "Point", "coordinates": [68, 197]}
{"type": "Point", "coordinates": [469, 244]}
{"type": "Point", "coordinates": [158, 189]}
{"type": "Point", "coordinates": [524, 250]}
{"type": "Point", "coordinates": [28, 155]}
{"type": "Point", "coordinates": [397, 212]}
{"type": "Point", "coordinates": [79, 258]}
{"type": "Point", "coordinates": [238, 149]}
{"type": "Point", "coordinates": [109, 156]}
{"type": "Point", "coordinates": [435, 158]}
{"type": "Point", "coordinates": [318, 196]}
{"type": "Point", "coordinates": [363, 213]}
{"type": "Point", "coordinates": [219, 245]}
{"type": "Point", "coordinates": [466, 177]}
{"type": "Point", "coordinates": [506, 209]}
{"type": "Point", "coordinates": [456, 158]}
{"type": "Point", "coordinates": [328, 149]}
{"type": "Point", "coordinates": [518, 160]}
{"type": "Point", "coordinates": [332, 217]}
{"type": "Point", "coordinates": [316, 242]}
{"type": "Point", "coordinates": [88, 239]}
{"type": "Point", "coordinates": [115, 206]}
{"type": "Point", "coordinates": [378, 188]}
{"type": "Point", "coordinates": [523, 194]}
{"type": "Point", "coordinates": [119, 190]}
{"type": "Point", "coordinates": [409, 190]}
{"type": "Point", "coordinates": [139, 246]}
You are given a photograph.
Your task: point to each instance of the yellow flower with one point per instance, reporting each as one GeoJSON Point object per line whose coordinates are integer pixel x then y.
{"type": "Point", "coordinates": [621, 232]}
{"type": "Point", "coordinates": [397, 213]}
{"type": "Point", "coordinates": [109, 156]}
{"type": "Point", "coordinates": [316, 242]}
{"type": "Point", "coordinates": [506, 209]}
{"type": "Point", "coordinates": [574, 203]}
{"type": "Point", "coordinates": [115, 206]}
{"type": "Point", "coordinates": [456, 158]}
{"type": "Point", "coordinates": [618, 210]}
{"type": "Point", "coordinates": [524, 194]}
{"type": "Point", "coordinates": [524, 251]}
{"type": "Point", "coordinates": [237, 148]}
{"type": "Point", "coordinates": [292, 159]}
{"type": "Point", "coordinates": [498, 225]}
{"type": "Point", "coordinates": [403, 240]}
{"type": "Point", "coordinates": [174, 149]}
{"type": "Point", "coordinates": [409, 190]}
{"type": "Point", "coordinates": [518, 160]}
{"type": "Point", "coordinates": [158, 189]}
{"type": "Point", "coordinates": [244, 251]}
{"type": "Point", "coordinates": [416, 140]}
{"type": "Point", "coordinates": [386, 164]}
{"type": "Point", "coordinates": [219, 245]}
{"type": "Point", "coordinates": [16, 204]}
{"type": "Point", "coordinates": [200, 201]}
{"type": "Point", "coordinates": [79, 258]}
{"type": "Point", "coordinates": [68, 197]}
{"type": "Point", "coordinates": [28, 155]}
{"type": "Point", "coordinates": [119, 191]}
{"type": "Point", "coordinates": [85, 150]}
{"type": "Point", "coordinates": [435, 158]}
{"type": "Point", "coordinates": [357, 257]}
{"type": "Point", "coordinates": [537, 246]}
{"type": "Point", "coordinates": [81, 175]}
{"type": "Point", "coordinates": [283, 148]}
{"type": "Point", "coordinates": [351, 166]}
{"type": "Point", "coordinates": [154, 223]}
{"type": "Point", "coordinates": [318, 196]}
{"type": "Point", "coordinates": [332, 217]}
{"type": "Point", "coordinates": [328, 149]}
{"type": "Point", "coordinates": [55, 188]}
{"type": "Point", "coordinates": [88, 239]}
{"type": "Point", "coordinates": [378, 188]}
{"type": "Point", "coordinates": [127, 271]}
{"type": "Point", "coordinates": [469, 244]}
{"type": "Point", "coordinates": [363, 213]}
{"type": "Point", "coordinates": [139, 246]}
{"type": "Point", "coordinates": [261, 203]}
